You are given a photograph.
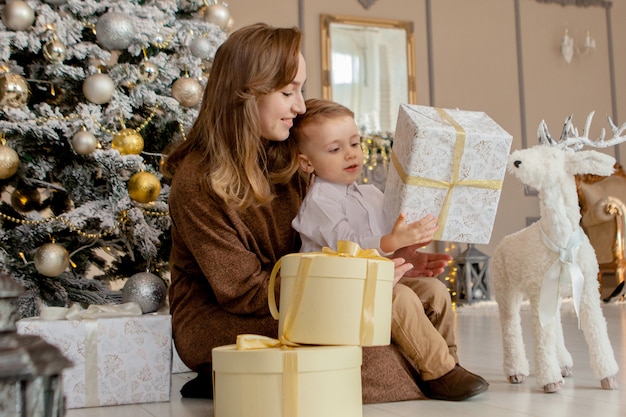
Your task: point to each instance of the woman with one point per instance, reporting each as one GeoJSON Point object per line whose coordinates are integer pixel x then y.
{"type": "Point", "coordinates": [234, 193]}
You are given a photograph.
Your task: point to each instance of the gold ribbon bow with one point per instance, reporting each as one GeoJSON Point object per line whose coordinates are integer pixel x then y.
{"type": "Point", "coordinates": [459, 148]}
{"type": "Point", "coordinates": [290, 367]}
{"type": "Point", "coordinates": [344, 249]}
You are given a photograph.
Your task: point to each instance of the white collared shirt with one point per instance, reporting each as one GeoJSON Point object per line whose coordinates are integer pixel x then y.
{"type": "Point", "coordinates": [332, 212]}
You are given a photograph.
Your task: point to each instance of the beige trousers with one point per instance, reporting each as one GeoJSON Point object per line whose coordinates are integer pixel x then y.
{"type": "Point", "coordinates": [422, 325]}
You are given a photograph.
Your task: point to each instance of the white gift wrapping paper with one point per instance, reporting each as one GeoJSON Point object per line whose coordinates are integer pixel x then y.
{"type": "Point", "coordinates": [178, 366]}
{"type": "Point", "coordinates": [450, 164]}
{"type": "Point", "coordinates": [121, 360]}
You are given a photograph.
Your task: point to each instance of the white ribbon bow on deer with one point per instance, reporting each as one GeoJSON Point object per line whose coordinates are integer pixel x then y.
{"type": "Point", "coordinates": [563, 268]}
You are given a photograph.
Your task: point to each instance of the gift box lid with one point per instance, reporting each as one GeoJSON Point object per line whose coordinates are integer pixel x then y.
{"type": "Point", "coordinates": [472, 121]}
{"type": "Point", "coordinates": [229, 359]}
{"type": "Point", "coordinates": [328, 266]}
{"type": "Point", "coordinates": [426, 140]}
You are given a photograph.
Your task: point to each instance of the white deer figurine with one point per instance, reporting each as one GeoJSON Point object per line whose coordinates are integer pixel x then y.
{"type": "Point", "coordinates": [553, 257]}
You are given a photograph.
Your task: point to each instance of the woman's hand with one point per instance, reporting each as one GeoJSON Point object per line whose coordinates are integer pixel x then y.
{"type": "Point", "coordinates": [423, 264]}
{"type": "Point", "coordinates": [401, 268]}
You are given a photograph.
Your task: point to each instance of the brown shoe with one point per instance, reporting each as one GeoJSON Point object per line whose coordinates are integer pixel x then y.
{"type": "Point", "coordinates": [457, 385]}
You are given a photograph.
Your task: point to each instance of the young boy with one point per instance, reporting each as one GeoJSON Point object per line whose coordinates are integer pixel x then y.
{"type": "Point", "coordinates": [337, 208]}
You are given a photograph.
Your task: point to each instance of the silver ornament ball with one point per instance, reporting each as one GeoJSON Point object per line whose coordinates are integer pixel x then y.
{"type": "Point", "coordinates": [217, 14]}
{"type": "Point", "coordinates": [187, 91]}
{"type": "Point", "coordinates": [51, 259]}
{"type": "Point", "coordinates": [98, 88]}
{"type": "Point", "coordinates": [148, 71]}
{"type": "Point", "coordinates": [84, 142]}
{"type": "Point", "coordinates": [115, 31]}
{"type": "Point", "coordinates": [54, 51]}
{"type": "Point", "coordinates": [55, 2]}
{"type": "Point", "coordinates": [18, 15]}
{"type": "Point", "coordinates": [146, 289]}
{"type": "Point", "coordinates": [202, 48]}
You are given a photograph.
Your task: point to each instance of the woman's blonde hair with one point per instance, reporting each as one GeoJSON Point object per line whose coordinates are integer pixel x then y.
{"type": "Point", "coordinates": [238, 164]}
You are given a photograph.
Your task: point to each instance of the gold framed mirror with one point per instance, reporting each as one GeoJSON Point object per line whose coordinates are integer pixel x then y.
{"type": "Point", "coordinates": [368, 65]}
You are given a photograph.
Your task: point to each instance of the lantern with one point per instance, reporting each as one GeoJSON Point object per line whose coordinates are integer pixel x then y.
{"type": "Point", "coordinates": [472, 282]}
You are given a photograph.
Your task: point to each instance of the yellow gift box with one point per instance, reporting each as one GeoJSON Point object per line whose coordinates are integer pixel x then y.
{"type": "Point", "coordinates": [266, 381]}
{"type": "Point", "coordinates": [449, 163]}
{"type": "Point", "coordinates": [334, 298]}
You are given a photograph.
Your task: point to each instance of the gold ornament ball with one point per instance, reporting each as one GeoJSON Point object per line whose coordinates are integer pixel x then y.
{"type": "Point", "coordinates": [84, 142]}
{"type": "Point", "coordinates": [54, 51]}
{"type": "Point", "coordinates": [217, 14]}
{"type": "Point", "coordinates": [14, 90]}
{"type": "Point", "coordinates": [144, 187]}
{"type": "Point", "coordinates": [230, 25]}
{"type": "Point", "coordinates": [187, 91]}
{"type": "Point", "coordinates": [107, 63]}
{"type": "Point", "coordinates": [148, 71]}
{"type": "Point", "coordinates": [98, 88]}
{"type": "Point", "coordinates": [25, 199]}
{"type": "Point", "coordinates": [51, 259]}
{"type": "Point", "coordinates": [128, 142]}
{"type": "Point", "coordinates": [9, 162]}
{"type": "Point", "coordinates": [18, 15]}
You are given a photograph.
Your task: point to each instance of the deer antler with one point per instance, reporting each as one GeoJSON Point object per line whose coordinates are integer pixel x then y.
{"type": "Point", "coordinates": [546, 138]}
{"type": "Point", "coordinates": [576, 141]}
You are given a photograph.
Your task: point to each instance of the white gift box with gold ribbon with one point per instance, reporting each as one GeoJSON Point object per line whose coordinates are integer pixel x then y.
{"type": "Point", "coordinates": [334, 298]}
{"type": "Point", "coordinates": [120, 356]}
{"type": "Point", "coordinates": [450, 164]}
{"type": "Point", "coordinates": [260, 377]}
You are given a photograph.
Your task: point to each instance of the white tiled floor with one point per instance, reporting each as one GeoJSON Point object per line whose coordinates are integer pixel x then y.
{"type": "Point", "coordinates": [480, 351]}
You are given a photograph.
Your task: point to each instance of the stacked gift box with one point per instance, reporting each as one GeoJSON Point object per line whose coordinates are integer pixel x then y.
{"type": "Point", "coordinates": [331, 304]}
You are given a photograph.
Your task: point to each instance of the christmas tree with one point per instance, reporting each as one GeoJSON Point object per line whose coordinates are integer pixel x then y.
{"type": "Point", "coordinates": [91, 95]}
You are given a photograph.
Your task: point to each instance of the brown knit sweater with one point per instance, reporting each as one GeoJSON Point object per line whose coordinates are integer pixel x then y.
{"type": "Point", "coordinates": [221, 260]}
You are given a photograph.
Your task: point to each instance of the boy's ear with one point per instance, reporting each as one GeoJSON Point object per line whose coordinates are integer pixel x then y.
{"type": "Point", "coordinates": [305, 164]}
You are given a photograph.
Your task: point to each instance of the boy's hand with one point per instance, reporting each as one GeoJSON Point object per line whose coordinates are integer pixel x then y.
{"type": "Point", "coordinates": [417, 233]}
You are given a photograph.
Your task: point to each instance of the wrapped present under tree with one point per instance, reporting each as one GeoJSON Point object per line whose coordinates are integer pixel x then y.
{"type": "Point", "coordinates": [117, 360]}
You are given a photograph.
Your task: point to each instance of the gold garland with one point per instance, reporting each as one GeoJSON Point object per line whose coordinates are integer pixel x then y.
{"type": "Point", "coordinates": [137, 129]}
{"type": "Point", "coordinates": [122, 218]}
{"type": "Point", "coordinates": [42, 120]}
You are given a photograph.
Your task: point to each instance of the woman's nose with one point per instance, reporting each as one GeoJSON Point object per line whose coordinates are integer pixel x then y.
{"type": "Point", "coordinates": [299, 107]}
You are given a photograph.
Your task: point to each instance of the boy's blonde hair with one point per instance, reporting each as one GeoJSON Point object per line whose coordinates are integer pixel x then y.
{"type": "Point", "coordinates": [317, 109]}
